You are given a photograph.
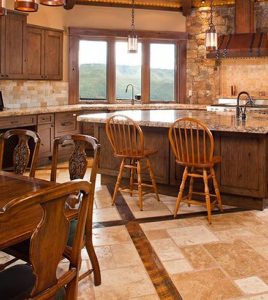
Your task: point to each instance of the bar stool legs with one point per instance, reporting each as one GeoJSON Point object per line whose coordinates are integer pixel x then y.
{"type": "Point", "coordinates": [182, 186]}
{"type": "Point", "coordinates": [119, 177]}
{"type": "Point", "coordinates": [216, 187]}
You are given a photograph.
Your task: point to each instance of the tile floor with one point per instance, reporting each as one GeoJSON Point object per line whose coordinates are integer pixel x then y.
{"type": "Point", "coordinates": [225, 260]}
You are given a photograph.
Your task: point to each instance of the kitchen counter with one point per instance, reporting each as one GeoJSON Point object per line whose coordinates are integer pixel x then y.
{"type": "Point", "coordinates": [216, 121]}
{"type": "Point", "coordinates": [242, 146]}
{"type": "Point", "coordinates": [96, 107]}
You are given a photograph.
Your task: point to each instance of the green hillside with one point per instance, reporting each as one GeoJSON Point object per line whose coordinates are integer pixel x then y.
{"type": "Point", "coordinates": [93, 82]}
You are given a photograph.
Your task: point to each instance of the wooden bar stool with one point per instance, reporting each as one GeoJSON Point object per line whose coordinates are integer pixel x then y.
{"type": "Point", "coordinates": [193, 146]}
{"type": "Point", "coordinates": [127, 140]}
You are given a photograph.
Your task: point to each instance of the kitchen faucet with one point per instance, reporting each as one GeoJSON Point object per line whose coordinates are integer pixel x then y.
{"type": "Point", "coordinates": [238, 108]}
{"type": "Point", "coordinates": [132, 93]}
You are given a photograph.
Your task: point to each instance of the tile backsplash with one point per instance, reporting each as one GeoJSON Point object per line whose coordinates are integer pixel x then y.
{"type": "Point", "coordinates": [30, 93]}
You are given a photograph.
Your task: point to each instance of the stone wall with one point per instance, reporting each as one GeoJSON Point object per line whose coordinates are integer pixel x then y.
{"type": "Point", "coordinates": [209, 83]}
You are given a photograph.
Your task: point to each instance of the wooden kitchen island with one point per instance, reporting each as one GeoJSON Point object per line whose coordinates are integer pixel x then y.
{"type": "Point", "coordinates": [242, 145]}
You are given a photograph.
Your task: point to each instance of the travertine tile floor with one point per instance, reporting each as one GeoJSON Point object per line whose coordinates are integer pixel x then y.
{"type": "Point", "coordinates": [225, 260]}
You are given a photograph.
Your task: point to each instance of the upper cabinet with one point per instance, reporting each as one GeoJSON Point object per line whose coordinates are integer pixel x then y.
{"type": "Point", "coordinates": [12, 46]}
{"type": "Point", "coordinates": [44, 53]}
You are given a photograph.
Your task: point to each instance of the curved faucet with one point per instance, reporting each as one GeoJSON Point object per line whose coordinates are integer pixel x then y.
{"type": "Point", "coordinates": [132, 93]}
{"type": "Point", "coordinates": [249, 102]}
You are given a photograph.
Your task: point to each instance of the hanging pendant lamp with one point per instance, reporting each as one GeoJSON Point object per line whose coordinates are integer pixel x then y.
{"type": "Point", "coordinates": [26, 5]}
{"type": "Point", "coordinates": [132, 40]}
{"type": "Point", "coordinates": [211, 33]}
{"type": "Point", "coordinates": [52, 2]}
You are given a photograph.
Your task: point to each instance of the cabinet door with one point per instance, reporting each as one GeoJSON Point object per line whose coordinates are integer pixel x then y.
{"type": "Point", "coordinates": [15, 46]}
{"type": "Point", "coordinates": [53, 54]}
{"type": "Point", "coordinates": [35, 53]}
{"type": "Point", "coordinates": [46, 133]}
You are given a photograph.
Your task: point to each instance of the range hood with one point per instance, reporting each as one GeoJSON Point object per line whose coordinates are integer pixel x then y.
{"type": "Point", "coordinates": [245, 42]}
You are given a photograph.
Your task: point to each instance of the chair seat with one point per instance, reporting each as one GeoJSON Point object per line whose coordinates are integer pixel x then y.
{"type": "Point", "coordinates": [17, 282]}
{"type": "Point", "coordinates": [137, 155]}
{"type": "Point", "coordinates": [215, 160]}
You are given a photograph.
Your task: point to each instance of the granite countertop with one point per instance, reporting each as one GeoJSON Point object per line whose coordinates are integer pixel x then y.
{"type": "Point", "coordinates": [216, 121]}
{"type": "Point", "coordinates": [95, 107]}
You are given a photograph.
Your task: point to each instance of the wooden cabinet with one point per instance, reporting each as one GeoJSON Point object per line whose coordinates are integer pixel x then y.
{"type": "Point", "coordinates": [44, 53]}
{"type": "Point", "coordinates": [12, 46]}
{"type": "Point", "coordinates": [45, 129]}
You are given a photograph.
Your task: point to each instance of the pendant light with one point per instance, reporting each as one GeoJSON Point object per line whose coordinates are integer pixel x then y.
{"type": "Point", "coordinates": [211, 34]}
{"type": "Point", "coordinates": [26, 5]}
{"type": "Point", "coordinates": [3, 10]}
{"type": "Point", "coordinates": [132, 40]}
{"type": "Point", "coordinates": [52, 2]}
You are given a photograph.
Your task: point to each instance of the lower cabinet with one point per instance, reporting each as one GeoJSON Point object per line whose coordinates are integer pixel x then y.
{"type": "Point", "coordinates": [45, 129]}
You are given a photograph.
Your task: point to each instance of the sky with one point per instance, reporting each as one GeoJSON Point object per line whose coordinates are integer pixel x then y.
{"type": "Point", "coordinates": [162, 55]}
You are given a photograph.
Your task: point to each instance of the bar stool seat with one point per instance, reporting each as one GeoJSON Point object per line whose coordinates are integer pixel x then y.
{"type": "Point", "coordinates": [127, 140]}
{"type": "Point", "coordinates": [192, 144]}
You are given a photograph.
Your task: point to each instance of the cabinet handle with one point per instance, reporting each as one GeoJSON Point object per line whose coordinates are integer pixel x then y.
{"type": "Point", "coordinates": [2, 75]}
{"type": "Point", "coordinates": [66, 123]}
{"type": "Point", "coordinates": [74, 115]}
{"type": "Point", "coordinates": [6, 75]}
{"type": "Point", "coordinates": [14, 122]}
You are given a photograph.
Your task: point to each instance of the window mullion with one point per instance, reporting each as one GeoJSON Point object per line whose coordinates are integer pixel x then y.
{"type": "Point", "coordinates": [145, 77]}
{"type": "Point", "coordinates": [111, 82]}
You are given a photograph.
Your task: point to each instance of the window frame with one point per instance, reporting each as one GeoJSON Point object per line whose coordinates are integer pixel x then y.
{"type": "Point", "coordinates": [111, 36]}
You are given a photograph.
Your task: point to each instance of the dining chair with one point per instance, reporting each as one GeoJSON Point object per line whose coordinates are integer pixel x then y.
{"type": "Point", "coordinates": [192, 144]}
{"type": "Point", "coordinates": [78, 164]}
{"type": "Point", "coordinates": [22, 153]}
{"type": "Point", "coordinates": [38, 279]}
{"type": "Point", "coordinates": [127, 140]}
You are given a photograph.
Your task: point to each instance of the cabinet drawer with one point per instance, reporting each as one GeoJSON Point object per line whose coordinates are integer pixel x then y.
{"type": "Point", "coordinates": [18, 121]}
{"type": "Point", "coordinates": [45, 119]}
{"type": "Point", "coordinates": [65, 123]}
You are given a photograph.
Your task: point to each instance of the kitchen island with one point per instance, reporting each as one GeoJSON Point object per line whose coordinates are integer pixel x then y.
{"type": "Point", "coordinates": [242, 145]}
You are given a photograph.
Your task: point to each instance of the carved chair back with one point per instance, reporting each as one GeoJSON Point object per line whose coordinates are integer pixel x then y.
{"type": "Point", "coordinates": [192, 142]}
{"type": "Point", "coordinates": [22, 152]}
{"type": "Point", "coordinates": [48, 240]}
{"type": "Point", "coordinates": [125, 136]}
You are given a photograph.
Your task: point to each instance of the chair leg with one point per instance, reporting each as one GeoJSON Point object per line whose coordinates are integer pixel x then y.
{"type": "Point", "coordinates": [139, 184]}
{"type": "Point", "coordinates": [149, 165]}
{"type": "Point", "coordinates": [191, 188]}
{"type": "Point", "coordinates": [119, 177]}
{"type": "Point", "coordinates": [94, 262]}
{"type": "Point", "coordinates": [216, 188]}
{"type": "Point", "coordinates": [207, 196]}
{"type": "Point", "coordinates": [184, 177]}
{"type": "Point", "coordinates": [131, 179]}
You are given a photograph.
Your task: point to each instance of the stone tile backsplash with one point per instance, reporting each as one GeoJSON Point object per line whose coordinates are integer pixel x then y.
{"type": "Point", "coordinates": [29, 93]}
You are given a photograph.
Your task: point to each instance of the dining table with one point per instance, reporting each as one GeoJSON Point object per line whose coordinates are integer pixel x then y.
{"type": "Point", "coordinates": [13, 186]}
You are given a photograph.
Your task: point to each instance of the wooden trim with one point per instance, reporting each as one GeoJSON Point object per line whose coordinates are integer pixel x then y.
{"type": "Point", "coordinates": [43, 27]}
{"type": "Point", "coordinates": [111, 76]}
{"type": "Point", "coordinates": [73, 70]}
{"type": "Point", "coordinates": [186, 7]}
{"type": "Point", "coordinates": [145, 73]}
{"type": "Point", "coordinates": [93, 32]}
{"type": "Point", "coordinates": [181, 72]}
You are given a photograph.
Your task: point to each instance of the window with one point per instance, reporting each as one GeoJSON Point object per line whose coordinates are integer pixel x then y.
{"type": "Point", "coordinates": [92, 70]}
{"type": "Point", "coordinates": [128, 70]}
{"type": "Point", "coordinates": [162, 72]}
{"type": "Point", "coordinates": [100, 67]}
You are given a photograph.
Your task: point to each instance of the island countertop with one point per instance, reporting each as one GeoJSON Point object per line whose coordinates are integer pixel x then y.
{"type": "Point", "coordinates": [216, 121]}
{"type": "Point", "coordinates": [97, 107]}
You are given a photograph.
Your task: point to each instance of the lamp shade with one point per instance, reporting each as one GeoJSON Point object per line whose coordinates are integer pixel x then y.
{"type": "Point", "coordinates": [211, 39]}
{"type": "Point", "coordinates": [132, 43]}
{"type": "Point", "coordinates": [26, 5]}
{"type": "Point", "coordinates": [52, 2]}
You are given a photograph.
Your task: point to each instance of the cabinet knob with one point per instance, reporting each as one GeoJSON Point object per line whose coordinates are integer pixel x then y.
{"type": "Point", "coordinates": [74, 115]}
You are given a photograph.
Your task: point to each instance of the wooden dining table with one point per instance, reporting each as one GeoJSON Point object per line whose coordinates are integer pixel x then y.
{"type": "Point", "coordinates": [13, 186]}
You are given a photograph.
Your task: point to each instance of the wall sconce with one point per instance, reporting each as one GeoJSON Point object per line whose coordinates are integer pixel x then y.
{"type": "Point", "coordinates": [132, 40]}
{"type": "Point", "coordinates": [211, 33]}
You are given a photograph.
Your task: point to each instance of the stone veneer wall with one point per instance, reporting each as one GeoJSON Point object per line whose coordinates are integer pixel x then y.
{"type": "Point", "coordinates": [29, 93]}
{"type": "Point", "coordinates": [209, 83]}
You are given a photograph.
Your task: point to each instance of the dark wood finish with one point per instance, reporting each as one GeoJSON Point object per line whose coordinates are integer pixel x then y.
{"type": "Point", "coordinates": [43, 248]}
{"type": "Point", "coordinates": [13, 35]}
{"type": "Point", "coordinates": [45, 129]}
{"type": "Point", "coordinates": [78, 163]}
{"type": "Point", "coordinates": [22, 152]}
{"type": "Point", "coordinates": [65, 123]}
{"type": "Point", "coordinates": [17, 121]}
{"type": "Point", "coordinates": [44, 53]}
{"type": "Point", "coordinates": [127, 141]}
{"type": "Point", "coordinates": [192, 144]}
{"type": "Point", "coordinates": [186, 7]}
{"type": "Point", "coordinates": [53, 63]}
{"type": "Point", "coordinates": [244, 16]}
{"type": "Point", "coordinates": [145, 37]}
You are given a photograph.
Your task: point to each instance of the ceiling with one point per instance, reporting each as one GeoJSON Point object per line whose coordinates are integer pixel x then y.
{"type": "Point", "coordinates": [173, 5]}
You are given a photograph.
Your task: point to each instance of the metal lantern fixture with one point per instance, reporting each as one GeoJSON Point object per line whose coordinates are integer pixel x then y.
{"type": "Point", "coordinates": [132, 40]}
{"type": "Point", "coordinates": [211, 33]}
{"type": "Point", "coordinates": [26, 5]}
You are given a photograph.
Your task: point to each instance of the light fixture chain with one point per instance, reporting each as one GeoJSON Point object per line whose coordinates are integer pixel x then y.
{"type": "Point", "coordinates": [133, 17]}
{"type": "Point", "coordinates": [211, 12]}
